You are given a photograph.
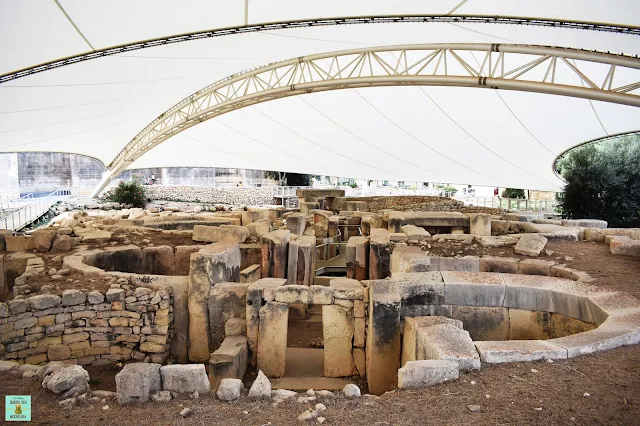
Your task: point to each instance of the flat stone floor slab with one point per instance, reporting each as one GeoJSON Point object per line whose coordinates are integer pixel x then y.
{"type": "Point", "coordinates": [304, 369]}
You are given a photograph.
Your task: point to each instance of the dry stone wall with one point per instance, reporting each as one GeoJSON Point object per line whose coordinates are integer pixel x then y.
{"type": "Point", "coordinates": [421, 203]}
{"type": "Point", "coordinates": [203, 194]}
{"type": "Point", "coordinates": [93, 327]}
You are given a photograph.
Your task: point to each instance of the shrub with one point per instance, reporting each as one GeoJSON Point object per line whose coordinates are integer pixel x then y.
{"type": "Point", "coordinates": [513, 193]}
{"type": "Point", "coordinates": [131, 193]}
{"type": "Point", "coordinates": [603, 181]}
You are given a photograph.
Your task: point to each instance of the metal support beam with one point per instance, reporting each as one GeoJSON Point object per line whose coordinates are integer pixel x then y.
{"type": "Point", "coordinates": [320, 22]}
{"type": "Point", "coordinates": [406, 65]}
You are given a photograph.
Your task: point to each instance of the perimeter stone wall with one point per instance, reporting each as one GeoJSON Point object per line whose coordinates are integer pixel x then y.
{"type": "Point", "coordinates": [234, 195]}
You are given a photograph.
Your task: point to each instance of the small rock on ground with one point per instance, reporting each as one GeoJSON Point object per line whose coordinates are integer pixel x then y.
{"type": "Point", "coordinates": [351, 390]}
{"type": "Point", "coordinates": [473, 408]}
{"type": "Point", "coordinates": [185, 412]}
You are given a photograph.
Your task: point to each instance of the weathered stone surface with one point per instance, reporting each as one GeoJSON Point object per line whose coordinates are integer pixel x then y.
{"type": "Point", "coordinates": [115, 295]}
{"type": "Point", "coordinates": [529, 325]}
{"type": "Point", "coordinates": [409, 259]}
{"type": "Point", "coordinates": [455, 264]}
{"type": "Point", "coordinates": [292, 294]}
{"type": "Point", "coordinates": [570, 298]}
{"type": "Point", "coordinates": [263, 289]}
{"type": "Point", "coordinates": [346, 288]}
{"type": "Point", "coordinates": [410, 333]}
{"type": "Point", "coordinates": [351, 390]}
{"type": "Point", "coordinates": [261, 387]}
{"type": "Point", "coordinates": [338, 332]}
{"type": "Point", "coordinates": [43, 238]}
{"type": "Point", "coordinates": [73, 297]}
{"type": "Point", "coordinates": [235, 327]}
{"type": "Point", "coordinates": [135, 382]}
{"type": "Point", "coordinates": [229, 361]}
{"type": "Point", "coordinates": [499, 264]}
{"type": "Point", "coordinates": [182, 258]}
{"type": "Point", "coordinates": [320, 295]}
{"type": "Point", "coordinates": [58, 353]}
{"type": "Point", "coordinates": [425, 373]}
{"type": "Point", "coordinates": [427, 219]}
{"type": "Point", "coordinates": [19, 243]}
{"type": "Point", "coordinates": [418, 290]}
{"type": "Point", "coordinates": [272, 338]}
{"type": "Point", "coordinates": [296, 223]}
{"type": "Point", "coordinates": [448, 342]}
{"type": "Point", "coordinates": [185, 378]}
{"type": "Point", "coordinates": [483, 323]}
{"type": "Point", "coordinates": [226, 300]}
{"type": "Point", "coordinates": [379, 254]}
{"type": "Point", "coordinates": [275, 247]}
{"type": "Point", "coordinates": [416, 233]}
{"type": "Point", "coordinates": [603, 305]}
{"type": "Point", "coordinates": [301, 261]}
{"type": "Point", "coordinates": [219, 262]}
{"type": "Point", "coordinates": [44, 301]}
{"type": "Point", "coordinates": [357, 256]}
{"type": "Point", "coordinates": [222, 233]}
{"type": "Point", "coordinates": [250, 274]}
{"type": "Point", "coordinates": [259, 228]}
{"type": "Point", "coordinates": [383, 337]}
{"type": "Point", "coordinates": [94, 297]}
{"type": "Point", "coordinates": [480, 224]}
{"type": "Point", "coordinates": [497, 241]}
{"type": "Point", "coordinates": [529, 292]}
{"type": "Point", "coordinates": [535, 267]}
{"type": "Point", "coordinates": [473, 288]}
{"type": "Point", "coordinates": [230, 389]}
{"type": "Point", "coordinates": [158, 260]}
{"type": "Point", "coordinates": [530, 245]}
{"type": "Point", "coordinates": [624, 246]}
{"type": "Point", "coordinates": [519, 351]}
{"type": "Point", "coordinates": [161, 396]}
{"type": "Point", "coordinates": [8, 365]}
{"type": "Point", "coordinates": [67, 378]}
{"type": "Point", "coordinates": [585, 223]}
{"type": "Point", "coordinates": [96, 236]}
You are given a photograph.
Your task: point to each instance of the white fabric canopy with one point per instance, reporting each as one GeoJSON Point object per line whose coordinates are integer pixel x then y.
{"type": "Point", "coordinates": [441, 134]}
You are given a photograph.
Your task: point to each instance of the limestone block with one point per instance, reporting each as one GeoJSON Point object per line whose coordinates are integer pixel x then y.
{"type": "Point", "coordinates": [158, 260]}
{"type": "Point", "coordinates": [272, 338]}
{"type": "Point", "coordinates": [359, 332]}
{"type": "Point", "coordinates": [497, 241]}
{"type": "Point", "coordinates": [136, 381]}
{"type": "Point", "coordinates": [250, 274]}
{"type": "Point", "coordinates": [359, 358]}
{"type": "Point", "coordinates": [455, 264]}
{"type": "Point", "coordinates": [519, 351]}
{"type": "Point", "coordinates": [44, 301]}
{"type": "Point", "coordinates": [306, 206]}
{"type": "Point", "coordinates": [383, 336]}
{"type": "Point", "coordinates": [185, 378]}
{"type": "Point", "coordinates": [302, 260]}
{"type": "Point", "coordinates": [62, 243]}
{"type": "Point", "coordinates": [263, 289]}
{"type": "Point", "coordinates": [20, 243]}
{"type": "Point", "coordinates": [73, 297]}
{"type": "Point", "coordinates": [219, 262]}
{"type": "Point", "coordinates": [222, 233]}
{"type": "Point", "coordinates": [68, 377]}
{"type": "Point", "coordinates": [480, 224]}
{"type": "Point", "coordinates": [275, 247]}
{"type": "Point", "coordinates": [530, 292]}
{"type": "Point", "coordinates": [418, 290]}
{"type": "Point", "coordinates": [230, 389]}
{"type": "Point", "coordinates": [529, 325]}
{"type": "Point", "coordinates": [229, 361]}
{"type": "Point", "coordinates": [624, 246]}
{"type": "Point", "coordinates": [569, 298]}
{"type": "Point", "coordinates": [58, 353]}
{"type": "Point", "coordinates": [473, 288]}
{"type": "Point", "coordinates": [235, 327]}
{"type": "Point", "coordinates": [447, 342]}
{"type": "Point", "coordinates": [292, 294]}
{"type": "Point", "coordinates": [296, 223]}
{"type": "Point", "coordinates": [43, 238]}
{"type": "Point", "coordinates": [409, 259]}
{"type": "Point", "coordinates": [250, 254]}
{"type": "Point", "coordinates": [346, 288]}
{"type": "Point", "coordinates": [115, 295]}
{"type": "Point", "coordinates": [415, 233]}
{"type": "Point", "coordinates": [483, 323]}
{"type": "Point", "coordinates": [260, 227]}
{"type": "Point", "coordinates": [254, 215]}
{"type": "Point", "coordinates": [182, 258]}
{"type": "Point", "coordinates": [530, 245]}
{"type": "Point", "coordinates": [425, 373]}
{"type": "Point", "coordinates": [359, 309]}
{"type": "Point", "coordinates": [357, 255]}
{"type": "Point", "coordinates": [603, 305]}
{"type": "Point", "coordinates": [96, 236]}
{"type": "Point", "coordinates": [226, 301]}
{"type": "Point", "coordinates": [410, 333]}
{"type": "Point", "coordinates": [535, 267]}
{"type": "Point", "coordinates": [399, 237]}
{"type": "Point", "coordinates": [379, 254]}
{"type": "Point", "coordinates": [499, 264]}
{"type": "Point", "coordinates": [338, 333]}
{"type": "Point", "coordinates": [320, 295]}
{"type": "Point", "coordinates": [562, 325]}
{"type": "Point", "coordinates": [585, 223]}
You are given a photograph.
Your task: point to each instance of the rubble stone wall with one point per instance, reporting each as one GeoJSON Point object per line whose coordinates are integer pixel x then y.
{"type": "Point", "coordinates": [235, 196]}
{"type": "Point", "coordinates": [421, 203]}
{"type": "Point", "coordinates": [87, 327]}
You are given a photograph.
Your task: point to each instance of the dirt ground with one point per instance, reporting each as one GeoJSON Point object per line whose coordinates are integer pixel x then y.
{"type": "Point", "coordinates": [553, 393]}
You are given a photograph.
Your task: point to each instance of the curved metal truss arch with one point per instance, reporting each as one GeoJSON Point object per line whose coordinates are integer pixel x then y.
{"type": "Point", "coordinates": [540, 69]}
{"type": "Point", "coordinates": [320, 22]}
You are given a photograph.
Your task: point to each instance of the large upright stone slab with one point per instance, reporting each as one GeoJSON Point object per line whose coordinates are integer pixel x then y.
{"type": "Point", "coordinates": [410, 334]}
{"type": "Point", "coordinates": [480, 224]}
{"type": "Point", "coordinates": [229, 361]}
{"type": "Point", "coordinates": [136, 381]}
{"type": "Point", "coordinates": [215, 263]}
{"type": "Point", "coordinates": [296, 223]}
{"type": "Point", "coordinates": [302, 259]}
{"type": "Point", "coordinates": [275, 247]}
{"type": "Point", "coordinates": [419, 291]}
{"type": "Point", "coordinates": [337, 331]}
{"type": "Point", "coordinates": [357, 253]}
{"type": "Point", "coordinates": [383, 337]}
{"type": "Point", "coordinates": [185, 378]}
{"type": "Point", "coordinates": [223, 233]}
{"type": "Point", "coordinates": [448, 342]}
{"type": "Point", "coordinates": [272, 338]}
{"type": "Point", "coordinates": [379, 254]}
{"type": "Point", "coordinates": [226, 300]}
{"type": "Point", "coordinates": [257, 293]}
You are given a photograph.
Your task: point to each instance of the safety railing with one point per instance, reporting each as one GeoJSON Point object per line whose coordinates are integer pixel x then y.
{"type": "Point", "coordinates": [30, 209]}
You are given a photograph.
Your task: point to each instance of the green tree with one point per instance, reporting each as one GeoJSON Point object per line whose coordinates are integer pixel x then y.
{"type": "Point", "coordinates": [603, 181]}
{"type": "Point", "coordinates": [291, 179]}
{"type": "Point", "coordinates": [513, 193]}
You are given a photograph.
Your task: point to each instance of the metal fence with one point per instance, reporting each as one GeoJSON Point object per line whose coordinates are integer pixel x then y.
{"type": "Point", "coordinates": [27, 209]}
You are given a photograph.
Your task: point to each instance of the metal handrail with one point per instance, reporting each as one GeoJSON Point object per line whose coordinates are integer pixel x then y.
{"type": "Point", "coordinates": [29, 213]}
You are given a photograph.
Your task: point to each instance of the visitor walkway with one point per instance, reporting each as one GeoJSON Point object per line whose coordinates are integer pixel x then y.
{"type": "Point", "coordinates": [17, 213]}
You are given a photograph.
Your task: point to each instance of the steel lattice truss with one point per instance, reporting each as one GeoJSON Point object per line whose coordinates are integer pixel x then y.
{"type": "Point", "coordinates": [350, 20]}
{"type": "Point", "coordinates": [560, 71]}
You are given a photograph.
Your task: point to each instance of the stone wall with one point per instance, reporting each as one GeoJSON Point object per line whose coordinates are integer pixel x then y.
{"type": "Point", "coordinates": [421, 203]}
{"type": "Point", "coordinates": [235, 196]}
{"type": "Point", "coordinates": [92, 327]}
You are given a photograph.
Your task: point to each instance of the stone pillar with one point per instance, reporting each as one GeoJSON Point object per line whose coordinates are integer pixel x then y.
{"type": "Point", "coordinates": [379, 254]}
{"type": "Point", "coordinates": [302, 261]}
{"type": "Point", "coordinates": [272, 338]}
{"type": "Point", "coordinates": [383, 338]}
{"type": "Point", "coordinates": [480, 224]}
{"type": "Point", "coordinates": [357, 254]}
{"type": "Point", "coordinates": [337, 331]}
{"type": "Point", "coordinates": [255, 296]}
{"type": "Point", "coordinates": [275, 246]}
{"type": "Point", "coordinates": [296, 223]}
{"type": "Point", "coordinates": [396, 220]}
{"type": "Point", "coordinates": [226, 301]}
{"type": "Point", "coordinates": [213, 264]}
